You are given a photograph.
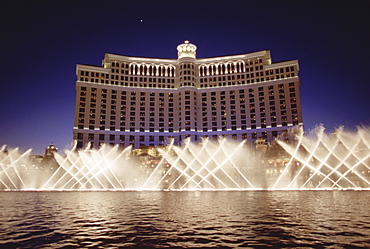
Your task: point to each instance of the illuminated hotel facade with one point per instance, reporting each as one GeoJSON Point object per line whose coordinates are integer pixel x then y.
{"type": "Point", "coordinates": [148, 101]}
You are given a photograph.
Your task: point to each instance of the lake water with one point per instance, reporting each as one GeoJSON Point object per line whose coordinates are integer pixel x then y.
{"type": "Point", "coordinates": [254, 219]}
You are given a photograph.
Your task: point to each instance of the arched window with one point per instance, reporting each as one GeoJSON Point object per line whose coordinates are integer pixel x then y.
{"type": "Point", "coordinates": [173, 72]}
{"type": "Point", "coordinates": [163, 71]}
{"type": "Point", "coordinates": [144, 69]}
{"type": "Point", "coordinates": [154, 70]}
{"type": "Point", "coordinates": [242, 66]}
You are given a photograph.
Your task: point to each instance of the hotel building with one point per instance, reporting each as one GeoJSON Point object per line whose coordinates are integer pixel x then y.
{"type": "Point", "coordinates": [148, 101]}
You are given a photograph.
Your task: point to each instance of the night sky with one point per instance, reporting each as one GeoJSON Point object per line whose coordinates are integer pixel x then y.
{"type": "Point", "coordinates": [42, 41]}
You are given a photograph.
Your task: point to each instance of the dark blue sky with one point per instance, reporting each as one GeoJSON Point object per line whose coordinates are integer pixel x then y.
{"type": "Point", "coordinates": [42, 41]}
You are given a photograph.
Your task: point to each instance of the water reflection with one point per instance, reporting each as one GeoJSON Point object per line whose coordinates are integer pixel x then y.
{"type": "Point", "coordinates": [185, 219]}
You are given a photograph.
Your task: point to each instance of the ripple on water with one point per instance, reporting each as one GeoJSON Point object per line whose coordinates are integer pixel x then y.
{"type": "Point", "coordinates": [184, 219]}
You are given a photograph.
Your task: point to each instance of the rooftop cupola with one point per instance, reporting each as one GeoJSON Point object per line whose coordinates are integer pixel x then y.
{"type": "Point", "coordinates": [186, 50]}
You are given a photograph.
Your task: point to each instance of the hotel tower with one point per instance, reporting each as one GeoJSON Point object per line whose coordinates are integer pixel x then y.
{"type": "Point", "coordinates": [149, 101]}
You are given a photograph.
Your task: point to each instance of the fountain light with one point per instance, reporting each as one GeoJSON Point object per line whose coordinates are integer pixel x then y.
{"type": "Point", "coordinates": [315, 161]}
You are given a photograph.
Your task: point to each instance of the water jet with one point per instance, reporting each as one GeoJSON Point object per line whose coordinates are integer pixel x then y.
{"type": "Point", "coordinates": [319, 161]}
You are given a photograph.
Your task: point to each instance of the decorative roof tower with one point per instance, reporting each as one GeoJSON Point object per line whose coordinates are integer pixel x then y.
{"type": "Point", "coordinates": [186, 50]}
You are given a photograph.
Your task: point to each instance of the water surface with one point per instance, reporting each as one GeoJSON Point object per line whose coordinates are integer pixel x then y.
{"type": "Point", "coordinates": [255, 219]}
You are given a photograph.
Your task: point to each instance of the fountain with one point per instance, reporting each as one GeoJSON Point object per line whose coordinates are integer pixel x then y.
{"type": "Point", "coordinates": [340, 160]}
